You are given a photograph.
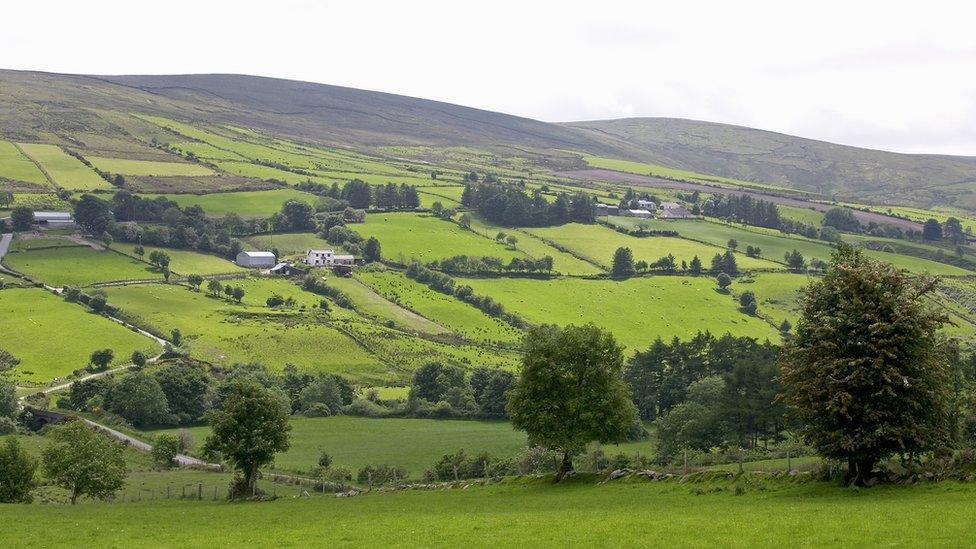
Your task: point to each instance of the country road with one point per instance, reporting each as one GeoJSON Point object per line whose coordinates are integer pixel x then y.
{"type": "Point", "coordinates": [186, 461]}
{"type": "Point", "coordinates": [5, 244]}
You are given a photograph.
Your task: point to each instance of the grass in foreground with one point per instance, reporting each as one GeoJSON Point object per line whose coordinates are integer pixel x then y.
{"type": "Point", "coordinates": [527, 512]}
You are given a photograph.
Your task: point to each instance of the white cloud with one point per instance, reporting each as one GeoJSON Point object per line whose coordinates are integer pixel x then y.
{"type": "Point", "coordinates": [876, 74]}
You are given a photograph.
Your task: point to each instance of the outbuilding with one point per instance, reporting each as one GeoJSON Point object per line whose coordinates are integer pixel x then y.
{"type": "Point", "coordinates": [256, 259]}
{"type": "Point", "coordinates": [54, 219]}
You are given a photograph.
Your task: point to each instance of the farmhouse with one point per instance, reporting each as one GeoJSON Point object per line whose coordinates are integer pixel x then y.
{"type": "Point", "coordinates": [284, 269]}
{"type": "Point", "coordinates": [54, 219]}
{"type": "Point", "coordinates": [669, 205]}
{"type": "Point", "coordinates": [647, 204]}
{"type": "Point", "coordinates": [675, 213]}
{"type": "Point", "coordinates": [607, 209]}
{"type": "Point", "coordinates": [256, 259]}
{"type": "Point", "coordinates": [327, 258]}
{"type": "Point", "coordinates": [639, 213]}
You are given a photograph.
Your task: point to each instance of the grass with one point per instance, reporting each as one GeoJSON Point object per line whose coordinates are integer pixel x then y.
{"type": "Point", "coordinates": [289, 243]}
{"type": "Point", "coordinates": [16, 166]}
{"type": "Point", "coordinates": [637, 310]}
{"type": "Point", "coordinates": [530, 511]}
{"type": "Point", "coordinates": [244, 204]}
{"type": "Point", "coordinates": [536, 247]}
{"type": "Point", "coordinates": [67, 171]}
{"type": "Point", "coordinates": [598, 244]}
{"type": "Point", "coordinates": [224, 332]}
{"type": "Point", "coordinates": [185, 262]}
{"type": "Point", "coordinates": [41, 201]}
{"type": "Point", "coordinates": [443, 309]}
{"type": "Point", "coordinates": [803, 215]}
{"type": "Point", "coordinates": [78, 266]}
{"type": "Point", "coordinates": [35, 323]}
{"type": "Point", "coordinates": [127, 166]}
{"type": "Point", "coordinates": [656, 170]}
{"type": "Point", "coordinates": [406, 236]}
{"type": "Point", "coordinates": [371, 303]}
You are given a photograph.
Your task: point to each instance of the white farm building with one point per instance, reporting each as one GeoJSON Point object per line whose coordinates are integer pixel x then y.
{"type": "Point", "coordinates": [256, 259]}
{"type": "Point", "coordinates": [327, 258]}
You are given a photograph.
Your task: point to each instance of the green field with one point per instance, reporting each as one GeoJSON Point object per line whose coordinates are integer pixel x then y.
{"type": "Point", "coordinates": [67, 171]}
{"type": "Point", "coordinates": [184, 262]}
{"type": "Point", "coordinates": [244, 204]}
{"type": "Point", "coordinates": [78, 265]}
{"type": "Point", "coordinates": [369, 302]}
{"type": "Point", "coordinates": [34, 323]}
{"type": "Point", "coordinates": [16, 166]}
{"type": "Point", "coordinates": [656, 170]}
{"type": "Point", "coordinates": [290, 243]}
{"type": "Point", "coordinates": [598, 243]}
{"type": "Point", "coordinates": [636, 310]}
{"type": "Point", "coordinates": [126, 166]}
{"type": "Point", "coordinates": [803, 215]}
{"type": "Point", "coordinates": [534, 246]}
{"type": "Point", "coordinates": [447, 311]}
{"type": "Point", "coordinates": [530, 512]}
{"type": "Point", "coordinates": [223, 332]}
{"type": "Point", "coordinates": [406, 236]}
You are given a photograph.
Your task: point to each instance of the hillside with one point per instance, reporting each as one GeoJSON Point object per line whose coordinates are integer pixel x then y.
{"type": "Point", "coordinates": [849, 173]}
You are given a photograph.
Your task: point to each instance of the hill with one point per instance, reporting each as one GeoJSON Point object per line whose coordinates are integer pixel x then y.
{"type": "Point", "coordinates": [840, 171]}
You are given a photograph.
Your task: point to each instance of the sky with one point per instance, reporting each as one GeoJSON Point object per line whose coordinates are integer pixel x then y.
{"type": "Point", "coordinates": [885, 75]}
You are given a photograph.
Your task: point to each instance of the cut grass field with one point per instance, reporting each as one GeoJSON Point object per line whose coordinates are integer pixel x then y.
{"type": "Point", "coordinates": [244, 204]}
{"type": "Point", "coordinates": [126, 166]}
{"type": "Point", "coordinates": [16, 166]}
{"type": "Point", "coordinates": [371, 303]}
{"type": "Point", "coordinates": [447, 311]}
{"type": "Point", "coordinates": [406, 236]}
{"type": "Point", "coordinates": [184, 262]}
{"type": "Point", "coordinates": [78, 265]}
{"type": "Point", "coordinates": [530, 512]}
{"type": "Point", "coordinates": [34, 325]}
{"type": "Point", "coordinates": [598, 244]}
{"type": "Point", "coordinates": [534, 246]}
{"type": "Point", "coordinates": [289, 243]}
{"type": "Point", "coordinates": [636, 310]}
{"type": "Point", "coordinates": [67, 171]}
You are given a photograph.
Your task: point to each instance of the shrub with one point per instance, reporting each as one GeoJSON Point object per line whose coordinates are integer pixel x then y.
{"type": "Point", "coordinates": [164, 450]}
{"type": "Point", "coordinates": [380, 474]}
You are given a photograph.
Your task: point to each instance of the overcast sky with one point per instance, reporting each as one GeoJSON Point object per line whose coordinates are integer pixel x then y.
{"type": "Point", "coordinates": [875, 74]}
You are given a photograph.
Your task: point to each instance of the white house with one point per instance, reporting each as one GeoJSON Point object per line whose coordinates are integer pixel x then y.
{"type": "Point", "coordinates": [256, 259]}
{"type": "Point", "coordinates": [646, 204]}
{"type": "Point", "coordinates": [669, 205]}
{"type": "Point", "coordinates": [639, 213]}
{"type": "Point", "coordinates": [328, 258]}
{"type": "Point", "coordinates": [676, 213]}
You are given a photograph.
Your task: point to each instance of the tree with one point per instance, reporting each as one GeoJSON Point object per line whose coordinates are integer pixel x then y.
{"type": "Point", "coordinates": [21, 218]}
{"type": "Point", "coordinates": [139, 250]}
{"type": "Point", "coordinates": [138, 358]}
{"type": "Point", "coordinates": [248, 431]}
{"type": "Point", "coordinates": [785, 327]}
{"type": "Point", "coordinates": [139, 398]}
{"type": "Point", "coordinates": [101, 358]}
{"type": "Point", "coordinates": [295, 215]}
{"type": "Point", "coordinates": [83, 461]}
{"type": "Point", "coordinates": [187, 389]}
{"type": "Point", "coordinates": [623, 263]}
{"type": "Point", "coordinates": [8, 399]}
{"type": "Point", "coordinates": [322, 392]}
{"type": "Point", "coordinates": [372, 250]}
{"type": "Point", "coordinates": [465, 221]}
{"type": "Point", "coordinates": [864, 373]}
{"type": "Point", "coordinates": [159, 258]}
{"type": "Point", "coordinates": [6, 199]}
{"type": "Point", "coordinates": [93, 214]}
{"type": "Point", "coordinates": [932, 230]}
{"type": "Point", "coordinates": [17, 471]}
{"type": "Point", "coordinates": [695, 267]}
{"type": "Point", "coordinates": [511, 240]}
{"type": "Point", "coordinates": [747, 300]}
{"type": "Point", "coordinates": [275, 301]}
{"type": "Point", "coordinates": [98, 302]}
{"type": "Point", "coordinates": [433, 380]}
{"type": "Point", "coordinates": [176, 336]}
{"type": "Point", "coordinates": [841, 219]}
{"type": "Point", "coordinates": [953, 231]}
{"type": "Point", "coordinates": [195, 281]}
{"type": "Point", "coordinates": [724, 281]}
{"type": "Point", "coordinates": [165, 449]}
{"type": "Point", "coordinates": [214, 287]}
{"type": "Point", "coordinates": [733, 244]}
{"type": "Point", "coordinates": [570, 390]}
{"type": "Point", "coordinates": [238, 293]}
{"type": "Point", "coordinates": [795, 261]}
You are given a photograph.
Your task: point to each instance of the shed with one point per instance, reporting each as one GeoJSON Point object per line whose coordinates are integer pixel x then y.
{"type": "Point", "coordinates": [256, 259]}
{"type": "Point", "coordinates": [54, 219]}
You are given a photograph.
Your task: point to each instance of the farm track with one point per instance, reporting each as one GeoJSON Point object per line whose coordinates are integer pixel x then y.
{"type": "Point", "coordinates": [599, 174]}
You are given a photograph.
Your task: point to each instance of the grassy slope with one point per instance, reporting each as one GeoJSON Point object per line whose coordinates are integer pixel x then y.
{"type": "Point", "coordinates": [14, 165]}
{"type": "Point", "coordinates": [67, 171]}
{"type": "Point", "coordinates": [79, 266]}
{"type": "Point", "coordinates": [372, 303]}
{"type": "Point", "coordinates": [534, 246]}
{"type": "Point", "coordinates": [528, 512]}
{"type": "Point", "coordinates": [127, 166]}
{"type": "Point", "coordinates": [289, 243]}
{"type": "Point", "coordinates": [404, 236]}
{"type": "Point", "coordinates": [635, 310]}
{"type": "Point", "coordinates": [34, 323]}
{"type": "Point", "coordinates": [185, 261]}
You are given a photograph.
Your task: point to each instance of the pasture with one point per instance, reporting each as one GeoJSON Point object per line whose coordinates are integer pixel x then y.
{"type": "Point", "coordinates": [67, 171]}
{"type": "Point", "coordinates": [445, 310]}
{"type": "Point", "coordinates": [407, 236]}
{"type": "Point", "coordinates": [656, 170]}
{"type": "Point", "coordinates": [636, 310]}
{"type": "Point", "coordinates": [184, 262]}
{"type": "Point", "coordinates": [531, 511]}
{"type": "Point", "coordinates": [369, 302]}
{"type": "Point", "coordinates": [16, 166]}
{"type": "Point", "coordinates": [534, 246]}
{"type": "Point", "coordinates": [598, 243]}
{"type": "Point", "coordinates": [127, 166]}
{"type": "Point", "coordinates": [77, 265]}
{"type": "Point", "coordinates": [244, 204]}
{"type": "Point", "coordinates": [33, 324]}
{"type": "Point", "coordinates": [289, 243]}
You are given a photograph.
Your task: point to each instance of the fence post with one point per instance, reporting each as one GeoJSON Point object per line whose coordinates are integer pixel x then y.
{"type": "Point", "coordinates": [184, 492]}
{"type": "Point", "coordinates": [200, 491]}
{"type": "Point", "coordinates": [369, 480]}
{"type": "Point", "coordinates": [789, 463]}
{"type": "Point", "coordinates": [686, 461]}
{"type": "Point", "coordinates": [215, 493]}
{"type": "Point", "coordinates": [167, 491]}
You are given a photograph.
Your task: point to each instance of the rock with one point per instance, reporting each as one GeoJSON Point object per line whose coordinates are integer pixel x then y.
{"type": "Point", "coordinates": [349, 494]}
{"type": "Point", "coordinates": [619, 473]}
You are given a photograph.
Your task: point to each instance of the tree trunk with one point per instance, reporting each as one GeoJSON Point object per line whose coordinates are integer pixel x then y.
{"type": "Point", "coordinates": [74, 495]}
{"type": "Point", "coordinates": [859, 471]}
{"type": "Point", "coordinates": [565, 467]}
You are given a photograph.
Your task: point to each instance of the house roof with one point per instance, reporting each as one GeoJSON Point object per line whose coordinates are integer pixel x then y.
{"type": "Point", "coordinates": [345, 257]}
{"type": "Point", "coordinates": [319, 252]}
{"type": "Point", "coordinates": [52, 216]}
{"type": "Point", "coordinates": [640, 212]}
{"type": "Point", "coordinates": [259, 254]}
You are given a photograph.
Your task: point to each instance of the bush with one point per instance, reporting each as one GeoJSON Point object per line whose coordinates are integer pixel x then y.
{"type": "Point", "coordinates": [380, 474]}
{"type": "Point", "coordinates": [164, 450]}
{"type": "Point", "coordinates": [365, 408]}
{"type": "Point", "coordinates": [317, 409]}
{"type": "Point", "coordinates": [7, 426]}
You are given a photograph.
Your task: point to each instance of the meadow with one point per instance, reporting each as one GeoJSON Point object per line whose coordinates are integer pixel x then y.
{"type": "Point", "coordinates": [244, 204]}
{"type": "Point", "coordinates": [184, 262]}
{"type": "Point", "coordinates": [78, 265]}
{"type": "Point", "coordinates": [289, 243]}
{"type": "Point", "coordinates": [598, 244]}
{"type": "Point", "coordinates": [656, 170]}
{"type": "Point", "coordinates": [16, 166]}
{"type": "Point", "coordinates": [530, 511]}
{"type": "Point", "coordinates": [34, 323]}
{"type": "Point", "coordinates": [67, 171]}
{"type": "Point", "coordinates": [445, 310]}
{"type": "Point", "coordinates": [127, 166]}
{"type": "Point", "coordinates": [407, 236]}
{"type": "Point", "coordinates": [369, 302]}
{"type": "Point", "coordinates": [536, 247]}
{"type": "Point", "coordinates": [636, 310]}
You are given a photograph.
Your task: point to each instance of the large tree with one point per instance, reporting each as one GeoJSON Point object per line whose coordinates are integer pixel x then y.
{"type": "Point", "coordinates": [248, 431]}
{"type": "Point", "coordinates": [139, 398]}
{"type": "Point", "coordinates": [83, 461]}
{"type": "Point", "coordinates": [17, 470]}
{"type": "Point", "coordinates": [93, 214]}
{"type": "Point", "coordinates": [570, 390]}
{"type": "Point", "coordinates": [864, 373]}
{"type": "Point", "coordinates": [623, 262]}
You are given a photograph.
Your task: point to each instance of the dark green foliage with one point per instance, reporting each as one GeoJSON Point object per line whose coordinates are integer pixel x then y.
{"type": "Point", "coordinates": [164, 450]}
{"type": "Point", "coordinates": [248, 431]}
{"type": "Point", "coordinates": [841, 219]}
{"type": "Point", "coordinates": [864, 374]}
{"type": "Point", "coordinates": [570, 390]}
{"type": "Point", "coordinates": [490, 387]}
{"type": "Point", "coordinates": [323, 393]}
{"type": "Point", "coordinates": [83, 461]}
{"type": "Point", "coordinates": [140, 399]}
{"type": "Point", "coordinates": [187, 389]}
{"type": "Point", "coordinates": [8, 399]}
{"type": "Point", "coordinates": [17, 471]}
{"type": "Point", "coordinates": [21, 218]}
{"type": "Point", "coordinates": [101, 358]}
{"type": "Point", "coordinates": [296, 216]}
{"type": "Point", "coordinates": [932, 230]}
{"type": "Point", "coordinates": [432, 381]}
{"type": "Point", "coordinates": [87, 395]}
{"type": "Point", "coordinates": [623, 263]}
{"type": "Point", "coordinates": [744, 209]}
{"type": "Point", "coordinates": [795, 261]}
{"type": "Point", "coordinates": [724, 281]}
{"type": "Point", "coordinates": [357, 193]}
{"type": "Point", "coordinates": [138, 358]}
{"type": "Point", "coordinates": [94, 214]}
{"type": "Point", "coordinates": [509, 205]}
{"type": "Point", "coordinates": [372, 250]}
